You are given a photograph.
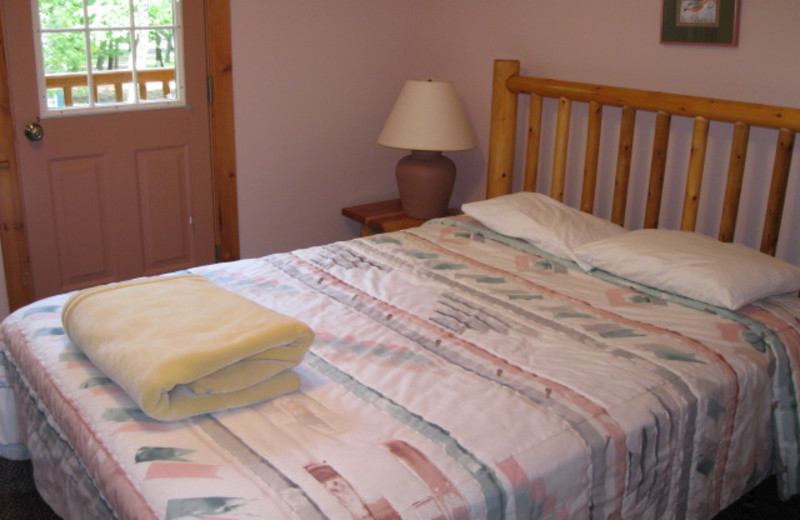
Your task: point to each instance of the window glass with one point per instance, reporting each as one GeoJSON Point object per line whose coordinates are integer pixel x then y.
{"type": "Point", "coordinates": [101, 55]}
{"type": "Point", "coordinates": [154, 13]}
{"type": "Point", "coordinates": [109, 13]}
{"type": "Point", "coordinates": [156, 63]}
{"type": "Point", "coordinates": [67, 54]}
{"type": "Point", "coordinates": [111, 50]}
{"type": "Point", "coordinates": [61, 14]}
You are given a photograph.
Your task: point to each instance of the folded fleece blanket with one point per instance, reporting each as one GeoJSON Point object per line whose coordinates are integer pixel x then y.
{"type": "Point", "coordinates": [181, 346]}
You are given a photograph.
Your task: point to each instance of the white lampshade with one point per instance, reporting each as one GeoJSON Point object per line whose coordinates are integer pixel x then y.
{"type": "Point", "coordinates": [428, 116]}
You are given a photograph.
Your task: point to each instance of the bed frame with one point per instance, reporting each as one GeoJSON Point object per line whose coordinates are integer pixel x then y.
{"type": "Point", "coordinates": [508, 85]}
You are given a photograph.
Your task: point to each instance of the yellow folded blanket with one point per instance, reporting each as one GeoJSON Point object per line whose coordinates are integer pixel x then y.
{"type": "Point", "coordinates": [181, 346]}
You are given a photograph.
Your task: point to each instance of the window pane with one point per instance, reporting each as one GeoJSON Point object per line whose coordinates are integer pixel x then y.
{"type": "Point", "coordinates": [158, 90]}
{"type": "Point", "coordinates": [80, 96]}
{"type": "Point", "coordinates": [55, 98]}
{"type": "Point", "coordinates": [155, 49]}
{"type": "Point", "coordinates": [151, 13]}
{"type": "Point", "coordinates": [111, 58]}
{"type": "Point", "coordinates": [114, 93]}
{"type": "Point", "coordinates": [61, 14]}
{"type": "Point", "coordinates": [64, 52]}
{"type": "Point", "coordinates": [111, 50]}
{"type": "Point", "coordinates": [98, 54]}
{"type": "Point", "coordinates": [155, 64]}
{"type": "Point", "coordinates": [109, 13]}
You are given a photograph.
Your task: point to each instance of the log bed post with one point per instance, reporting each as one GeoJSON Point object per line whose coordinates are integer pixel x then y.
{"type": "Point", "coordinates": [592, 156]}
{"type": "Point", "coordinates": [503, 130]}
{"type": "Point", "coordinates": [694, 178]}
{"type": "Point", "coordinates": [777, 191]}
{"type": "Point", "coordinates": [658, 170]}
{"type": "Point", "coordinates": [733, 188]}
{"type": "Point", "coordinates": [509, 84]}
{"type": "Point", "coordinates": [558, 178]}
{"type": "Point", "coordinates": [623, 173]}
{"type": "Point", "coordinates": [531, 172]}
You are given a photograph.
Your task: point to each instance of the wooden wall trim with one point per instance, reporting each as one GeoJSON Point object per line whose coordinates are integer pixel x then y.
{"type": "Point", "coordinates": [223, 145]}
{"type": "Point", "coordinates": [19, 284]}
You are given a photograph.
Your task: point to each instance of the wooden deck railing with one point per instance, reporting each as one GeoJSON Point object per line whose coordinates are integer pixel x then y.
{"type": "Point", "coordinates": [117, 78]}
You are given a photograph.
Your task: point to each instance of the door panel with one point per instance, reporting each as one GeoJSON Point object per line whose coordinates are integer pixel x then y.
{"type": "Point", "coordinates": [111, 196]}
{"type": "Point", "coordinates": [82, 241]}
{"type": "Point", "coordinates": [164, 202]}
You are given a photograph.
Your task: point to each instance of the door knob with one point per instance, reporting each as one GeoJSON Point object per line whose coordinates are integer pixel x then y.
{"type": "Point", "coordinates": [34, 132]}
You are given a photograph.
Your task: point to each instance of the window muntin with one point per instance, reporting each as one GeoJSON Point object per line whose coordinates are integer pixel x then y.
{"type": "Point", "coordinates": [108, 55]}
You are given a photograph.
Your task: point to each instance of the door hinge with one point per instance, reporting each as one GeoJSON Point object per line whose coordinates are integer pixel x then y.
{"type": "Point", "coordinates": [210, 89]}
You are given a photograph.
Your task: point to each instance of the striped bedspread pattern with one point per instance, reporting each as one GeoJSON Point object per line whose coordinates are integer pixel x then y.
{"type": "Point", "coordinates": [452, 376]}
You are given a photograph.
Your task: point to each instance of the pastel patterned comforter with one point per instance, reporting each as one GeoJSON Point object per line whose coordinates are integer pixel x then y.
{"type": "Point", "coordinates": [455, 374]}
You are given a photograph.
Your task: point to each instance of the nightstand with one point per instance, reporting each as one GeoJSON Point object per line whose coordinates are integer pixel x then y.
{"type": "Point", "coordinates": [382, 217]}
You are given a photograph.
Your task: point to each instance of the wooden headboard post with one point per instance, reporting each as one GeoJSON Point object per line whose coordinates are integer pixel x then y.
{"type": "Point", "coordinates": [503, 130]}
{"type": "Point", "coordinates": [508, 84]}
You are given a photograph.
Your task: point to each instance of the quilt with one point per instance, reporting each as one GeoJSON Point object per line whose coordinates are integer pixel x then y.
{"type": "Point", "coordinates": [455, 373]}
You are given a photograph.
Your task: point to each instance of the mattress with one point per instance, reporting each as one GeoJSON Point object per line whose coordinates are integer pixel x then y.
{"type": "Point", "coordinates": [11, 446]}
{"type": "Point", "coordinates": [455, 373]}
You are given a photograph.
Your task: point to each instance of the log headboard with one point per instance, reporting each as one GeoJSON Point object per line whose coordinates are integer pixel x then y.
{"type": "Point", "coordinates": [509, 85]}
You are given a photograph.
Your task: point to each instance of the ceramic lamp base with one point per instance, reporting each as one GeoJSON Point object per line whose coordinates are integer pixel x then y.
{"type": "Point", "coordinates": [425, 181]}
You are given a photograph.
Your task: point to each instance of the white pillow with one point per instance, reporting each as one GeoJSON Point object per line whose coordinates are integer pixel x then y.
{"type": "Point", "coordinates": [542, 221]}
{"type": "Point", "coordinates": [692, 265]}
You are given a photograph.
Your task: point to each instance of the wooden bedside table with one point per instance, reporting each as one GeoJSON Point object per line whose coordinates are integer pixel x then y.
{"type": "Point", "coordinates": [382, 217]}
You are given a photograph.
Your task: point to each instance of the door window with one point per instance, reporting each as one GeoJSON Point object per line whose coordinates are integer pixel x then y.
{"type": "Point", "coordinates": [107, 55]}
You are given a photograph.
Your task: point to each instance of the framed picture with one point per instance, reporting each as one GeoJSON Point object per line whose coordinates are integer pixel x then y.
{"type": "Point", "coordinates": [700, 22]}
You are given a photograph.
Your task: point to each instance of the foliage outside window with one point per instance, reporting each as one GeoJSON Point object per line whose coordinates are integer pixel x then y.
{"type": "Point", "coordinates": [104, 55]}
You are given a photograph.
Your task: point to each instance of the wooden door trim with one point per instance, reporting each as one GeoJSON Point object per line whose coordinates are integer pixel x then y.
{"type": "Point", "coordinates": [16, 265]}
{"type": "Point", "coordinates": [223, 147]}
{"type": "Point", "coordinates": [16, 262]}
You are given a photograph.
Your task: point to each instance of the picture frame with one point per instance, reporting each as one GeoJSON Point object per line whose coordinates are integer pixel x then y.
{"type": "Point", "coordinates": [700, 22]}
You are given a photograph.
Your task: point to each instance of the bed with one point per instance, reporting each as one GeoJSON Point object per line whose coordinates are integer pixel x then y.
{"type": "Point", "coordinates": [470, 368]}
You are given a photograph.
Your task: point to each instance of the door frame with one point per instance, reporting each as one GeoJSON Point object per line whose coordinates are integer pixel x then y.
{"type": "Point", "coordinates": [16, 258]}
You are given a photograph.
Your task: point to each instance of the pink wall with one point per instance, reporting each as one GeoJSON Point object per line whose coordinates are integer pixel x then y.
{"type": "Point", "coordinates": [315, 80]}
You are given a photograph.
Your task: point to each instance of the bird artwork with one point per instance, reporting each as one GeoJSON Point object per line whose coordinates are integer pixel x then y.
{"type": "Point", "coordinates": [699, 12]}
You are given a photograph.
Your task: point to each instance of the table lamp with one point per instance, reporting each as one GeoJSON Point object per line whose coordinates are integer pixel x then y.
{"type": "Point", "coordinates": [427, 119]}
